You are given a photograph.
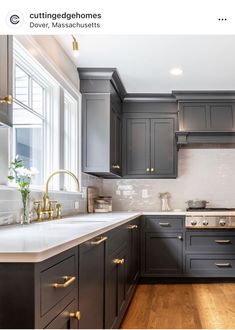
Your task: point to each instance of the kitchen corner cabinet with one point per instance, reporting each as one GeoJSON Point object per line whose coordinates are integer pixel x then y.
{"type": "Point", "coordinates": [101, 114]}
{"type": "Point", "coordinates": [88, 287]}
{"type": "Point", "coordinates": [149, 146]}
{"type": "Point", "coordinates": [6, 81]}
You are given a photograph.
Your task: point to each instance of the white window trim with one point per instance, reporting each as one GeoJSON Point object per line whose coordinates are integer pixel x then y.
{"type": "Point", "coordinates": [49, 66]}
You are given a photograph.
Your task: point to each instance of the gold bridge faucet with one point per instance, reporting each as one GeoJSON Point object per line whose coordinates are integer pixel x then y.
{"type": "Point", "coordinates": [47, 206]}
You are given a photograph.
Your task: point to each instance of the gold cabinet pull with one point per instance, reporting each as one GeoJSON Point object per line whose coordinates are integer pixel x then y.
{"type": "Point", "coordinates": [222, 241]}
{"type": "Point", "coordinates": [132, 226]}
{"type": "Point", "coordinates": [147, 169]}
{"type": "Point", "coordinates": [164, 224]}
{"type": "Point", "coordinates": [75, 315]}
{"type": "Point", "coordinates": [99, 241]}
{"type": "Point", "coordinates": [68, 280]}
{"type": "Point", "coordinates": [118, 261]}
{"type": "Point", "coordinates": [152, 169]}
{"type": "Point", "coordinates": [227, 264]}
{"type": "Point", "coordinates": [6, 99]}
{"type": "Point", "coordinates": [116, 166]}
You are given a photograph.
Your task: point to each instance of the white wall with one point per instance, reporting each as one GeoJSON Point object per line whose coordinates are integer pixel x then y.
{"type": "Point", "coordinates": [203, 173]}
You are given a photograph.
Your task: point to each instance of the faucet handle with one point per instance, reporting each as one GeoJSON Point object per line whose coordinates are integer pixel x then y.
{"type": "Point", "coordinates": [51, 204]}
{"type": "Point", "coordinates": [37, 204]}
{"type": "Point", "coordinates": [58, 211]}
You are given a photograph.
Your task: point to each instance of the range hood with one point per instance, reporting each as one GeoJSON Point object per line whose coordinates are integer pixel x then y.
{"type": "Point", "coordinates": [204, 137]}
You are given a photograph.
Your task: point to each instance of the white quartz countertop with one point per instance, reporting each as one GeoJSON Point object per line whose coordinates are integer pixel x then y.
{"type": "Point", "coordinates": [39, 241]}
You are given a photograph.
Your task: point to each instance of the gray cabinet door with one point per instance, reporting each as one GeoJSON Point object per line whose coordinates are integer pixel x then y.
{"type": "Point", "coordinates": [6, 81]}
{"type": "Point", "coordinates": [96, 133]}
{"type": "Point", "coordinates": [137, 146]}
{"type": "Point", "coordinates": [91, 285]}
{"type": "Point", "coordinates": [133, 263]}
{"type": "Point", "coordinates": [115, 288]}
{"type": "Point", "coordinates": [163, 147]}
{"type": "Point", "coordinates": [163, 254]}
{"type": "Point", "coordinates": [218, 116]}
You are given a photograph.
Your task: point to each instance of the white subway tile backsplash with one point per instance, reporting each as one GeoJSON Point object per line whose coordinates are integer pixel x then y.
{"type": "Point", "coordinates": [203, 173]}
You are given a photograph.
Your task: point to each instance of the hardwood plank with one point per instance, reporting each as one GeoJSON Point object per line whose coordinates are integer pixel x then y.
{"type": "Point", "coordinates": [182, 306]}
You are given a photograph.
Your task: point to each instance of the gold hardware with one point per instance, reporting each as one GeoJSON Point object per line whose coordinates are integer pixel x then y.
{"type": "Point", "coordinates": [119, 261]}
{"type": "Point", "coordinates": [68, 280]}
{"type": "Point", "coordinates": [227, 264]}
{"type": "Point", "coordinates": [6, 99]}
{"type": "Point", "coordinates": [58, 211]}
{"type": "Point", "coordinates": [180, 237]}
{"type": "Point", "coordinates": [132, 226]}
{"type": "Point", "coordinates": [102, 239]}
{"type": "Point", "coordinates": [152, 169]}
{"type": "Point", "coordinates": [75, 315]}
{"type": "Point", "coordinates": [147, 169]}
{"type": "Point", "coordinates": [164, 224]}
{"type": "Point", "coordinates": [223, 241]}
{"type": "Point", "coordinates": [47, 207]}
{"type": "Point", "coordinates": [75, 47]}
{"type": "Point", "coordinates": [116, 166]}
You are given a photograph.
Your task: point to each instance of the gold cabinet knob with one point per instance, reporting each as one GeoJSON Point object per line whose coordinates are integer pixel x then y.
{"type": "Point", "coordinates": [152, 169]}
{"type": "Point", "coordinates": [116, 166]}
{"type": "Point", "coordinates": [118, 261]}
{"type": "Point", "coordinates": [75, 315]}
{"type": "Point", "coordinates": [6, 99]}
{"type": "Point", "coordinates": [147, 169]}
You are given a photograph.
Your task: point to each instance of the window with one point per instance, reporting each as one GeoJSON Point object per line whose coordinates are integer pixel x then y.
{"type": "Point", "coordinates": [45, 121]}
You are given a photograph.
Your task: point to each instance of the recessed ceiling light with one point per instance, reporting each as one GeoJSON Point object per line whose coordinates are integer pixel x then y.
{"type": "Point", "coordinates": [176, 71]}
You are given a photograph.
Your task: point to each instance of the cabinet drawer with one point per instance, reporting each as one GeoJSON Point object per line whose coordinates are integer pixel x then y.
{"type": "Point", "coordinates": [210, 242]}
{"type": "Point", "coordinates": [57, 282]}
{"type": "Point", "coordinates": [211, 265]}
{"type": "Point", "coordinates": [163, 223]}
{"type": "Point", "coordinates": [64, 319]}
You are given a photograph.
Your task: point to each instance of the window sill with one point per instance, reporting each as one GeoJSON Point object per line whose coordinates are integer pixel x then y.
{"type": "Point", "coordinates": [38, 189]}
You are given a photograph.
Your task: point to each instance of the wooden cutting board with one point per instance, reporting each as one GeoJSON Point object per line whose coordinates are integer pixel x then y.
{"type": "Point", "coordinates": [92, 193]}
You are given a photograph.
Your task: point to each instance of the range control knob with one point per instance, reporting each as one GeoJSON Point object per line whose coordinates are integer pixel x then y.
{"type": "Point", "coordinates": [205, 223]}
{"type": "Point", "coordinates": [193, 222]}
{"type": "Point", "coordinates": [222, 222]}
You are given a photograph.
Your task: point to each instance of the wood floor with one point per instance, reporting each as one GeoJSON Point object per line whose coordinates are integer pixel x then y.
{"type": "Point", "coordinates": [182, 306]}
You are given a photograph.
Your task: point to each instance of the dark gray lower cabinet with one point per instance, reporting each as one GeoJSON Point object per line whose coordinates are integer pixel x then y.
{"type": "Point", "coordinates": [40, 295]}
{"type": "Point", "coordinates": [163, 254]}
{"type": "Point", "coordinates": [91, 283]}
{"type": "Point", "coordinates": [133, 266]}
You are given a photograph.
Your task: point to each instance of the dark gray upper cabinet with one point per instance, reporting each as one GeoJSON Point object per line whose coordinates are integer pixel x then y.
{"type": "Point", "coordinates": [207, 117]}
{"type": "Point", "coordinates": [6, 81]}
{"type": "Point", "coordinates": [102, 122]}
{"type": "Point", "coordinates": [149, 147]}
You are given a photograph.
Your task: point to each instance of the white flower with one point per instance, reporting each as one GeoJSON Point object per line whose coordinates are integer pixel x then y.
{"type": "Point", "coordinates": [34, 171]}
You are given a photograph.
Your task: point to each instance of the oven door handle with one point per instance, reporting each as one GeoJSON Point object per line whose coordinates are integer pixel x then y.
{"type": "Point", "coordinates": [223, 241]}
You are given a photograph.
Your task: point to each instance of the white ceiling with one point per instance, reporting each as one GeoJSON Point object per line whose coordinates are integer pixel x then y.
{"type": "Point", "coordinates": [144, 61]}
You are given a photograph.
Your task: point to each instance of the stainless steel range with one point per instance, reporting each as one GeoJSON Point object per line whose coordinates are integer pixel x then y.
{"type": "Point", "coordinates": [210, 218]}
